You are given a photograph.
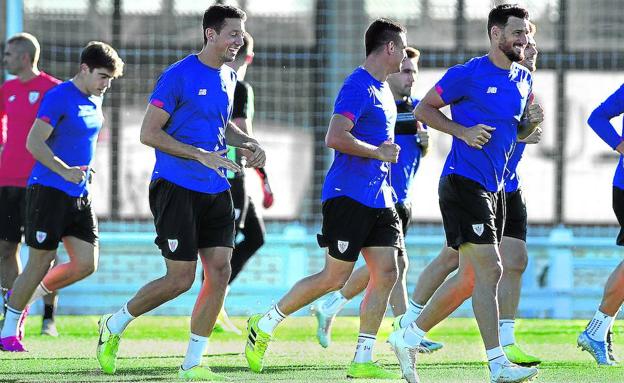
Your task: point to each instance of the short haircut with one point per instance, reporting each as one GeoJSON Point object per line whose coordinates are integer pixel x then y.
{"type": "Point", "coordinates": [101, 55]}
{"type": "Point", "coordinates": [380, 32]}
{"type": "Point", "coordinates": [500, 15]}
{"type": "Point", "coordinates": [26, 43]}
{"type": "Point", "coordinates": [215, 15]}
{"type": "Point", "coordinates": [412, 53]}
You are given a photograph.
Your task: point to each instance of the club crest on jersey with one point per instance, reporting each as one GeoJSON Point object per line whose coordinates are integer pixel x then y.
{"type": "Point", "coordinates": [41, 236]}
{"type": "Point", "coordinates": [342, 246]}
{"type": "Point", "coordinates": [478, 228]}
{"type": "Point", "coordinates": [33, 96]}
{"type": "Point", "coordinates": [173, 244]}
{"type": "Point", "coordinates": [12, 98]}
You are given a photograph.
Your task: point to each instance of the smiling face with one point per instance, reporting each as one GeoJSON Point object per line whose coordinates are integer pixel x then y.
{"type": "Point", "coordinates": [512, 39]}
{"type": "Point", "coordinates": [227, 43]}
{"type": "Point", "coordinates": [530, 54]}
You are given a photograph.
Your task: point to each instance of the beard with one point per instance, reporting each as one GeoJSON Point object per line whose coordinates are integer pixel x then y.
{"type": "Point", "coordinates": [508, 49]}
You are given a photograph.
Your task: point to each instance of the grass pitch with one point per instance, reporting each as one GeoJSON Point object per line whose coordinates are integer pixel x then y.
{"type": "Point", "coordinates": [153, 347]}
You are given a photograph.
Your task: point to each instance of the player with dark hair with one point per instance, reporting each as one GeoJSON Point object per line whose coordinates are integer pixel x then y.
{"type": "Point", "coordinates": [413, 139]}
{"type": "Point", "coordinates": [188, 124]}
{"type": "Point", "coordinates": [488, 96]}
{"type": "Point", "coordinates": [358, 203]}
{"type": "Point", "coordinates": [58, 204]}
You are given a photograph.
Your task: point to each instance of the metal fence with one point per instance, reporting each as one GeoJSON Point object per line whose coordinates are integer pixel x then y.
{"type": "Point", "coordinates": [304, 50]}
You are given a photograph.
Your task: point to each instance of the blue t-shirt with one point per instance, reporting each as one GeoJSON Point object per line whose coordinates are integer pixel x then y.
{"type": "Point", "coordinates": [370, 105]}
{"type": "Point", "coordinates": [77, 119]}
{"type": "Point", "coordinates": [402, 173]}
{"type": "Point", "coordinates": [512, 181]}
{"type": "Point", "coordinates": [481, 93]}
{"type": "Point", "coordinates": [199, 101]}
{"type": "Point", "coordinates": [600, 122]}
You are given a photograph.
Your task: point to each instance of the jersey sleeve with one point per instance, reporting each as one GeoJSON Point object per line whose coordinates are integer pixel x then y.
{"type": "Point", "coordinates": [452, 86]}
{"type": "Point", "coordinates": [600, 119]}
{"type": "Point", "coordinates": [167, 92]}
{"type": "Point", "coordinates": [52, 108]}
{"type": "Point", "coordinates": [243, 101]}
{"type": "Point", "coordinates": [2, 118]}
{"type": "Point", "coordinates": [351, 101]}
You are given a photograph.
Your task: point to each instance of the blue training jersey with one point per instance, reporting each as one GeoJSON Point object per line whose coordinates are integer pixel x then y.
{"type": "Point", "coordinates": [481, 93]}
{"type": "Point", "coordinates": [600, 122]}
{"type": "Point", "coordinates": [405, 135]}
{"type": "Point", "coordinates": [77, 119]}
{"type": "Point", "coordinates": [370, 105]}
{"type": "Point", "coordinates": [199, 101]}
{"type": "Point", "coordinates": [512, 180]}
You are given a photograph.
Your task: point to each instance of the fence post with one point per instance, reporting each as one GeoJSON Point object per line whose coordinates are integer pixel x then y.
{"type": "Point", "coordinates": [561, 272]}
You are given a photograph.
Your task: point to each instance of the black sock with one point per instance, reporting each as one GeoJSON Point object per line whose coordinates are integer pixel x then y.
{"type": "Point", "coordinates": [48, 312]}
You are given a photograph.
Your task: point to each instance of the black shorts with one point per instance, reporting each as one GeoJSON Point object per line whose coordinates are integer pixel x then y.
{"type": "Point", "coordinates": [404, 210]}
{"type": "Point", "coordinates": [240, 200]}
{"type": "Point", "coordinates": [52, 214]}
{"type": "Point", "coordinates": [349, 226]}
{"type": "Point", "coordinates": [515, 216]}
{"type": "Point", "coordinates": [187, 220]}
{"type": "Point", "coordinates": [618, 209]}
{"type": "Point", "coordinates": [12, 211]}
{"type": "Point", "coordinates": [470, 213]}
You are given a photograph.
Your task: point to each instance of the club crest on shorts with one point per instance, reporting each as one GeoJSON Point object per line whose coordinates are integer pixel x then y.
{"type": "Point", "coordinates": [33, 96]}
{"type": "Point", "coordinates": [478, 228]}
{"type": "Point", "coordinates": [237, 213]}
{"type": "Point", "coordinates": [41, 236]}
{"type": "Point", "coordinates": [342, 246]}
{"type": "Point", "coordinates": [173, 244]}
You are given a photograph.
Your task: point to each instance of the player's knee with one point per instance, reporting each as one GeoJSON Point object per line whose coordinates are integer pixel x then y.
{"type": "Point", "coordinates": [85, 267]}
{"type": "Point", "coordinates": [516, 264]}
{"type": "Point", "coordinates": [385, 276]}
{"type": "Point", "coordinates": [450, 260]}
{"type": "Point", "coordinates": [181, 284]}
{"type": "Point", "coordinates": [221, 271]}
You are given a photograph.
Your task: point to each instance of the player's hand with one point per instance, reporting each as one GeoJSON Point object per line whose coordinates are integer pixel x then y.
{"type": "Point", "coordinates": [74, 174]}
{"type": "Point", "coordinates": [477, 136]}
{"type": "Point", "coordinates": [388, 152]}
{"type": "Point", "coordinates": [423, 135]}
{"type": "Point", "coordinates": [620, 148]}
{"type": "Point", "coordinates": [215, 161]}
{"type": "Point", "coordinates": [535, 114]}
{"type": "Point", "coordinates": [257, 158]}
{"type": "Point", "coordinates": [534, 137]}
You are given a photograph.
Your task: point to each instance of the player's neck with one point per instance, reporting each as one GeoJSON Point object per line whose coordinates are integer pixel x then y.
{"type": "Point", "coordinates": [28, 74]}
{"type": "Point", "coordinates": [80, 84]}
{"type": "Point", "coordinates": [376, 68]}
{"type": "Point", "coordinates": [208, 58]}
{"type": "Point", "coordinates": [499, 59]}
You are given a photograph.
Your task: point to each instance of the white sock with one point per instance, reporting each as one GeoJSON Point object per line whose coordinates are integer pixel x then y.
{"type": "Point", "coordinates": [271, 319]}
{"type": "Point", "coordinates": [414, 335]}
{"type": "Point", "coordinates": [412, 313]}
{"type": "Point", "coordinates": [364, 348]}
{"type": "Point", "coordinates": [40, 292]}
{"type": "Point", "coordinates": [196, 347]}
{"type": "Point", "coordinates": [496, 359]}
{"type": "Point", "coordinates": [506, 332]}
{"type": "Point", "coordinates": [334, 303]}
{"type": "Point", "coordinates": [599, 326]}
{"type": "Point", "coordinates": [11, 320]}
{"type": "Point", "coordinates": [119, 321]}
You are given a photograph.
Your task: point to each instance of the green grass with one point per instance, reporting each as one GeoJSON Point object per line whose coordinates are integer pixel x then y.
{"type": "Point", "coordinates": [153, 347]}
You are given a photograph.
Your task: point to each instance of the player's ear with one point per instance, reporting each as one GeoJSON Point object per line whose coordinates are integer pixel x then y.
{"type": "Point", "coordinates": [84, 68]}
{"type": "Point", "coordinates": [391, 47]}
{"type": "Point", "coordinates": [210, 34]}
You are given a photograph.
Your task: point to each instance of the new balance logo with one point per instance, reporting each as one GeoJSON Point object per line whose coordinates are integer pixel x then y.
{"type": "Point", "coordinates": [492, 90]}
{"type": "Point", "coordinates": [202, 92]}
